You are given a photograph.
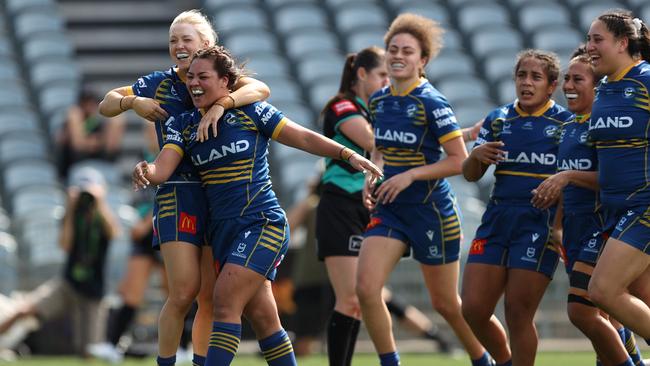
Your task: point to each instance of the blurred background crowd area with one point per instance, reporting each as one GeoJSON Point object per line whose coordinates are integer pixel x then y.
{"type": "Point", "coordinates": [60, 57]}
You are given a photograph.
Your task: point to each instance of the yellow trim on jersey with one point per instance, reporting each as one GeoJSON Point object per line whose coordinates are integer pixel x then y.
{"type": "Point", "coordinates": [538, 113]}
{"type": "Point", "coordinates": [126, 91]}
{"type": "Point", "coordinates": [182, 77]}
{"type": "Point", "coordinates": [175, 148]}
{"type": "Point", "coordinates": [582, 118]}
{"type": "Point", "coordinates": [408, 90]}
{"type": "Point", "coordinates": [522, 174]}
{"type": "Point", "coordinates": [450, 136]}
{"type": "Point", "coordinates": [623, 72]}
{"type": "Point", "coordinates": [279, 127]}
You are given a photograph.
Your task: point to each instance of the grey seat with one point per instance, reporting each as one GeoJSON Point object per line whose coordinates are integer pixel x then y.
{"type": "Point", "coordinates": [283, 89]}
{"type": "Point", "coordinates": [24, 173]}
{"type": "Point", "coordinates": [495, 39]}
{"type": "Point", "coordinates": [34, 198]}
{"type": "Point", "coordinates": [590, 11]}
{"type": "Point", "coordinates": [468, 113]}
{"type": "Point", "coordinates": [297, 112]}
{"type": "Point", "coordinates": [40, 47]}
{"type": "Point", "coordinates": [644, 13]}
{"type": "Point", "coordinates": [15, 7]}
{"type": "Point", "coordinates": [213, 6]}
{"type": "Point", "coordinates": [506, 91]}
{"type": "Point", "coordinates": [431, 10]}
{"type": "Point", "coordinates": [558, 39]}
{"type": "Point", "coordinates": [268, 64]}
{"type": "Point", "coordinates": [58, 97]}
{"type": "Point", "coordinates": [14, 98]}
{"type": "Point", "coordinates": [29, 24]}
{"type": "Point", "coordinates": [18, 145]}
{"type": "Point", "coordinates": [309, 41]}
{"type": "Point", "coordinates": [295, 18]}
{"type": "Point", "coordinates": [365, 38]}
{"type": "Point", "coordinates": [50, 71]}
{"type": "Point", "coordinates": [475, 16]}
{"type": "Point", "coordinates": [463, 89]}
{"type": "Point", "coordinates": [239, 18]}
{"type": "Point", "coordinates": [450, 63]}
{"type": "Point", "coordinates": [350, 18]}
{"type": "Point", "coordinates": [242, 44]}
{"type": "Point", "coordinates": [320, 93]}
{"type": "Point", "coordinates": [18, 119]}
{"type": "Point", "coordinates": [320, 66]}
{"type": "Point", "coordinates": [544, 15]}
{"type": "Point", "coordinates": [452, 40]}
{"type": "Point", "coordinates": [500, 65]}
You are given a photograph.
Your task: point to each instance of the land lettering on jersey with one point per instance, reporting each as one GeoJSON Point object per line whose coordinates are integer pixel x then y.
{"type": "Point", "coordinates": [575, 164]}
{"type": "Point", "coordinates": [609, 122]}
{"type": "Point", "coordinates": [531, 158]}
{"type": "Point", "coordinates": [399, 136]}
{"type": "Point", "coordinates": [224, 150]}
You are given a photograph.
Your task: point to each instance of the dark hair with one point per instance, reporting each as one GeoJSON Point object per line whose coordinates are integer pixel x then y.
{"type": "Point", "coordinates": [368, 59]}
{"type": "Point", "coordinates": [621, 23]}
{"type": "Point", "coordinates": [581, 55]}
{"type": "Point", "coordinates": [222, 61]}
{"type": "Point", "coordinates": [550, 62]}
{"type": "Point", "coordinates": [428, 33]}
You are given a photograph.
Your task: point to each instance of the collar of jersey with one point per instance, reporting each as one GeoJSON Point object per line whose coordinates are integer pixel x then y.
{"type": "Point", "coordinates": [581, 118]}
{"type": "Point", "coordinates": [537, 113]}
{"type": "Point", "coordinates": [408, 90]}
{"type": "Point", "coordinates": [175, 68]}
{"type": "Point", "coordinates": [623, 72]}
{"type": "Point", "coordinates": [202, 111]}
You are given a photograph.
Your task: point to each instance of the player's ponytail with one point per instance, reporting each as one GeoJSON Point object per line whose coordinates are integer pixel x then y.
{"type": "Point", "coordinates": [644, 41]}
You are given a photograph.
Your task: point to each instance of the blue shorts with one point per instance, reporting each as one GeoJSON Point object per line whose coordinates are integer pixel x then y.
{"type": "Point", "coordinates": [180, 213]}
{"type": "Point", "coordinates": [431, 231]}
{"type": "Point", "coordinates": [631, 226]}
{"type": "Point", "coordinates": [515, 236]}
{"type": "Point", "coordinates": [583, 238]}
{"type": "Point", "coordinates": [258, 241]}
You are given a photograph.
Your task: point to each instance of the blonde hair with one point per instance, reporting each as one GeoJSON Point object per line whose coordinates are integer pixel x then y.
{"type": "Point", "coordinates": [427, 32]}
{"type": "Point", "coordinates": [200, 23]}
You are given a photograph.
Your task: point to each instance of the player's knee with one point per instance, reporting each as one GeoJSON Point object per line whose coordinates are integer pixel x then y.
{"type": "Point", "coordinates": [264, 321]}
{"type": "Point", "coordinates": [518, 315]}
{"type": "Point", "coordinates": [367, 291]}
{"type": "Point", "coordinates": [446, 308]}
{"type": "Point", "coordinates": [579, 316]}
{"type": "Point", "coordinates": [599, 293]}
{"type": "Point", "coordinates": [473, 311]}
{"type": "Point", "coordinates": [348, 304]}
{"type": "Point", "coordinates": [183, 297]}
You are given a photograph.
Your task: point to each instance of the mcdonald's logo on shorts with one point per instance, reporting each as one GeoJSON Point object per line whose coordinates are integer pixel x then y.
{"type": "Point", "coordinates": [187, 223]}
{"type": "Point", "coordinates": [478, 246]}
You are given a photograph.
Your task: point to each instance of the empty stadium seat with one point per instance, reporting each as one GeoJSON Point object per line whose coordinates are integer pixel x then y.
{"type": "Point", "coordinates": [351, 18]}
{"type": "Point", "coordinates": [214, 6]}
{"type": "Point", "coordinates": [495, 39]}
{"type": "Point", "coordinates": [366, 38]}
{"type": "Point", "coordinates": [543, 15]}
{"type": "Point", "coordinates": [463, 89]}
{"type": "Point", "coordinates": [313, 40]}
{"type": "Point", "coordinates": [18, 145]}
{"type": "Point", "coordinates": [235, 18]}
{"type": "Point", "coordinates": [297, 112]}
{"type": "Point", "coordinates": [590, 11]}
{"type": "Point", "coordinates": [41, 47]}
{"type": "Point", "coordinates": [326, 65]}
{"type": "Point", "coordinates": [500, 65]}
{"type": "Point", "coordinates": [506, 91]}
{"type": "Point", "coordinates": [241, 44]}
{"type": "Point", "coordinates": [450, 63]}
{"type": "Point", "coordinates": [28, 173]}
{"type": "Point", "coordinates": [470, 112]}
{"type": "Point", "coordinates": [292, 19]}
{"type": "Point", "coordinates": [283, 89]}
{"type": "Point", "coordinates": [18, 119]}
{"type": "Point", "coordinates": [30, 24]}
{"type": "Point", "coordinates": [558, 39]}
{"type": "Point", "coordinates": [321, 92]}
{"type": "Point", "coordinates": [475, 16]}
{"type": "Point", "coordinates": [431, 10]}
{"type": "Point", "coordinates": [268, 64]}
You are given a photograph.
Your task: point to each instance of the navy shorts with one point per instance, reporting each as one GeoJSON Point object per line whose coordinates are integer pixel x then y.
{"type": "Point", "coordinates": [432, 231]}
{"type": "Point", "coordinates": [180, 214]}
{"type": "Point", "coordinates": [515, 236]}
{"type": "Point", "coordinates": [258, 241]}
{"type": "Point", "coordinates": [583, 238]}
{"type": "Point", "coordinates": [631, 226]}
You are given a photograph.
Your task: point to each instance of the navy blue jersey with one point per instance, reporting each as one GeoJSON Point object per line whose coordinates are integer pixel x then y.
{"type": "Point", "coordinates": [620, 124]}
{"type": "Point", "coordinates": [410, 129]}
{"type": "Point", "coordinates": [233, 165]}
{"type": "Point", "coordinates": [577, 152]}
{"type": "Point", "coordinates": [170, 91]}
{"type": "Point", "coordinates": [531, 146]}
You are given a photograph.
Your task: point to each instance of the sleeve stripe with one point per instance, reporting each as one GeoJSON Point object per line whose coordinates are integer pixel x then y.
{"type": "Point", "coordinates": [279, 127]}
{"type": "Point", "coordinates": [126, 90]}
{"type": "Point", "coordinates": [176, 148]}
{"type": "Point", "coordinates": [451, 135]}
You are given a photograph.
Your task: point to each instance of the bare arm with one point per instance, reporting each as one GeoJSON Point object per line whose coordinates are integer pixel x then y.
{"type": "Point", "coordinates": [449, 166]}
{"type": "Point", "coordinates": [67, 225]}
{"type": "Point", "coordinates": [294, 135]}
{"type": "Point", "coordinates": [480, 158]}
{"type": "Point", "coordinates": [159, 171]}
{"type": "Point", "coordinates": [549, 191]}
{"type": "Point", "coordinates": [246, 91]}
{"type": "Point", "coordinates": [358, 130]}
{"type": "Point", "coordinates": [120, 100]}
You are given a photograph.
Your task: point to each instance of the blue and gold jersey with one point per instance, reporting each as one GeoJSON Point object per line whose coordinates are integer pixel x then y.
{"type": "Point", "coordinates": [409, 131]}
{"type": "Point", "coordinates": [170, 91]}
{"type": "Point", "coordinates": [620, 124]}
{"type": "Point", "coordinates": [577, 152]}
{"type": "Point", "coordinates": [233, 165]}
{"type": "Point", "coordinates": [531, 146]}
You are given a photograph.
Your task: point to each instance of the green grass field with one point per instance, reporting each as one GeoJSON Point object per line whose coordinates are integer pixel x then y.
{"type": "Point", "coordinates": [544, 359]}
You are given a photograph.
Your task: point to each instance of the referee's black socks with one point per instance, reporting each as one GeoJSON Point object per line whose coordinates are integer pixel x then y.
{"type": "Point", "coordinates": [342, 332]}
